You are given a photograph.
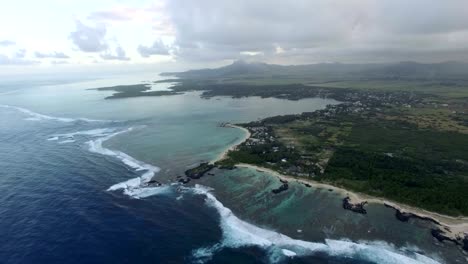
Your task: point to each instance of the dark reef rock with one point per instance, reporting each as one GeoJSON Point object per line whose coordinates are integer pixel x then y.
{"type": "Point", "coordinates": [357, 208]}
{"type": "Point", "coordinates": [282, 188]}
{"type": "Point", "coordinates": [184, 181]}
{"type": "Point", "coordinates": [402, 216]}
{"type": "Point", "coordinates": [154, 182]}
{"type": "Point", "coordinates": [307, 185]}
{"type": "Point", "coordinates": [226, 167]}
{"type": "Point", "coordinates": [439, 235]}
{"type": "Point", "coordinates": [465, 243]}
{"type": "Point", "coordinates": [211, 174]}
{"type": "Point", "coordinates": [283, 181]}
{"type": "Point", "coordinates": [330, 190]}
{"type": "Point", "coordinates": [199, 171]}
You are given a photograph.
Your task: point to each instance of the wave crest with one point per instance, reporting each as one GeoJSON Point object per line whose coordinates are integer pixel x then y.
{"type": "Point", "coordinates": [132, 187]}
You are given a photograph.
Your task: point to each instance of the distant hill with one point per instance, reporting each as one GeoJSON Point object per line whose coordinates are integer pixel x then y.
{"type": "Point", "coordinates": [402, 70]}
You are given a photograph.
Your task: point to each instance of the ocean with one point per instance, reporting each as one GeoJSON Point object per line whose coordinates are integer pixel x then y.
{"type": "Point", "coordinates": [74, 181]}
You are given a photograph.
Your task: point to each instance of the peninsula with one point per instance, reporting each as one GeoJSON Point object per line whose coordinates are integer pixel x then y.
{"type": "Point", "coordinates": [399, 141]}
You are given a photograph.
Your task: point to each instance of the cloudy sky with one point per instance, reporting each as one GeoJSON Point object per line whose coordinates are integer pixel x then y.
{"type": "Point", "coordinates": [55, 33]}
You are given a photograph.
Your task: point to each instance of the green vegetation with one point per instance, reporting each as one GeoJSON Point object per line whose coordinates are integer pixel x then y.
{"type": "Point", "coordinates": [385, 152]}
{"type": "Point", "coordinates": [439, 88]}
{"type": "Point", "coordinates": [136, 90]}
{"type": "Point", "coordinates": [401, 133]}
{"type": "Point", "coordinates": [392, 159]}
{"type": "Point", "coordinates": [448, 79]}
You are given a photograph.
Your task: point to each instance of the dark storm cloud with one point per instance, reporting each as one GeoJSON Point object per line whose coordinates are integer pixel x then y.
{"type": "Point", "coordinates": [88, 38]}
{"type": "Point", "coordinates": [320, 30]}
{"type": "Point", "coordinates": [54, 55]}
{"type": "Point", "coordinates": [157, 48]}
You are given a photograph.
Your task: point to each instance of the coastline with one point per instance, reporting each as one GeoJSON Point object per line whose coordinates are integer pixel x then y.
{"type": "Point", "coordinates": [246, 136]}
{"type": "Point", "coordinates": [454, 228]}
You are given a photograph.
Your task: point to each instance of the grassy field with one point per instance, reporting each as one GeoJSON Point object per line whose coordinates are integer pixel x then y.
{"type": "Point", "coordinates": [434, 88]}
{"type": "Point", "coordinates": [388, 158]}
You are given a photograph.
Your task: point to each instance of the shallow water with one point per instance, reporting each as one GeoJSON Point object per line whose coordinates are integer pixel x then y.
{"type": "Point", "coordinates": [57, 206]}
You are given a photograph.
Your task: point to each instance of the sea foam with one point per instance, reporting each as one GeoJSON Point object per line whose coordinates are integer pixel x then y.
{"type": "Point", "coordinates": [135, 187]}
{"type": "Point", "coordinates": [132, 187]}
{"type": "Point", "coordinates": [238, 233]}
{"type": "Point", "coordinates": [39, 117]}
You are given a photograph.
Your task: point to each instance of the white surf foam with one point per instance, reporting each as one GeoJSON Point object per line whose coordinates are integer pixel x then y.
{"type": "Point", "coordinates": [100, 132]}
{"type": "Point", "coordinates": [136, 187]}
{"type": "Point", "coordinates": [133, 187]}
{"type": "Point", "coordinates": [39, 117]}
{"type": "Point", "coordinates": [67, 141]}
{"type": "Point", "coordinates": [238, 233]}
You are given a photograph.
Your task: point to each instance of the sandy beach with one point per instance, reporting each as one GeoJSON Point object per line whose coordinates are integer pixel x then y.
{"type": "Point", "coordinates": [453, 227]}
{"type": "Point", "coordinates": [246, 135]}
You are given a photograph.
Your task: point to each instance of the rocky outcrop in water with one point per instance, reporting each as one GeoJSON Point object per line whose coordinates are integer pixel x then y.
{"type": "Point", "coordinates": [199, 171]}
{"type": "Point", "coordinates": [184, 180]}
{"type": "Point", "coordinates": [465, 243]}
{"type": "Point", "coordinates": [440, 235]}
{"type": "Point", "coordinates": [154, 183]}
{"type": "Point", "coordinates": [357, 208]}
{"type": "Point", "coordinates": [402, 216]}
{"type": "Point", "coordinates": [405, 216]}
{"type": "Point", "coordinates": [282, 188]}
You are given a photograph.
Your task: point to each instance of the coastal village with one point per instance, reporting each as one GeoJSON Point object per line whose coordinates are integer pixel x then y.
{"type": "Point", "coordinates": [275, 143]}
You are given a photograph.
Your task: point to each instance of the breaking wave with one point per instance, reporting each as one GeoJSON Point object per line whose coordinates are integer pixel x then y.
{"type": "Point", "coordinates": [137, 187]}
{"type": "Point", "coordinates": [238, 233]}
{"type": "Point", "coordinates": [132, 187]}
{"type": "Point", "coordinates": [33, 116]}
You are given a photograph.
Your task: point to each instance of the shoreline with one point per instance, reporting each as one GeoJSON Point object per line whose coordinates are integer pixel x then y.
{"type": "Point", "coordinates": [233, 146]}
{"type": "Point", "coordinates": [454, 228]}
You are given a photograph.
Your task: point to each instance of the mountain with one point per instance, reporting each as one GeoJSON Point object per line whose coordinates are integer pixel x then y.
{"type": "Point", "coordinates": [402, 70]}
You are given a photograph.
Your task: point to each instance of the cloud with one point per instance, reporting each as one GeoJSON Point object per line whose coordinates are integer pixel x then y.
{"type": "Point", "coordinates": [320, 30]}
{"type": "Point", "coordinates": [109, 15]}
{"type": "Point", "coordinates": [20, 54]}
{"type": "Point", "coordinates": [17, 59]}
{"type": "Point", "coordinates": [118, 55]}
{"type": "Point", "coordinates": [59, 62]}
{"type": "Point", "coordinates": [144, 15]}
{"type": "Point", "coordinates": [158, 48]}
{"type": "Point", "coordinates": [6, 43]}
{"type": "Point", "coordinates": [55, 55]}
{"type": "Point", "coordinates": [88, 38]}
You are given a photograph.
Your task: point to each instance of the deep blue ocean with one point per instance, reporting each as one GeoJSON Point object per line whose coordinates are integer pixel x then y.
{"type": "Point", "coordinates": [74, 173]}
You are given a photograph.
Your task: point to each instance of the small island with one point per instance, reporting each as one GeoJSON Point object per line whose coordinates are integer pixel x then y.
{"type": "Point", "coordinates": [135, 90]}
